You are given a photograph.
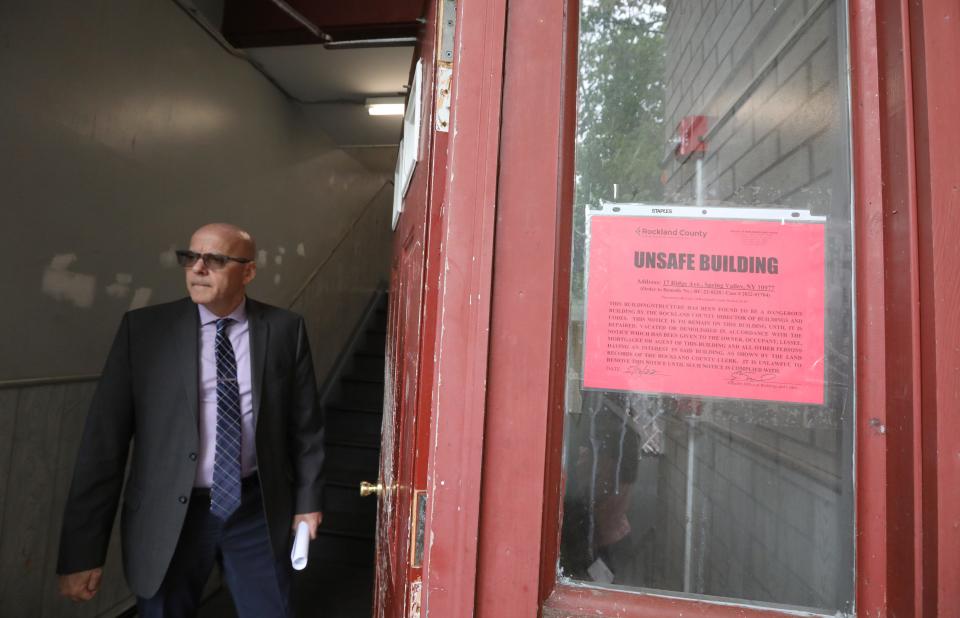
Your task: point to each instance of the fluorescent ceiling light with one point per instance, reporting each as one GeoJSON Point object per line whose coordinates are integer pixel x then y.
{"type": "Point", "coordinates": [385, 106]}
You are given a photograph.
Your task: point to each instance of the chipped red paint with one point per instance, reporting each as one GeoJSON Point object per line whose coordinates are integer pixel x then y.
{"type": "Point", "coordinates": [408, 352]}
{"type": "Point", "coordinates": [462, 312]}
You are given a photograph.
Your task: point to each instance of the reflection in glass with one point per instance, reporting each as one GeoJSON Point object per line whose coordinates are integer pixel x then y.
{"type": "Point", "coordinates": [749, 499]}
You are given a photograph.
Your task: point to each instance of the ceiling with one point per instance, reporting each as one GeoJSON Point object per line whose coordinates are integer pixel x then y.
{"type": "Point", "coordinates": [330, 56]}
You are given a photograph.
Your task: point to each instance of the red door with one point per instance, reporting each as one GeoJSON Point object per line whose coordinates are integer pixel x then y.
{"type": "Point", "coordinates": [396, 459]}
{"type": "Point", "coordinates": [406, 417]}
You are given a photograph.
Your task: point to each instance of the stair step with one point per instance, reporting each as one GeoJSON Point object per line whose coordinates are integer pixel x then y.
{"type": "Point", "coordinates": [373, 342]}
{"type": "Point", "coordinates": [352, 464]}
{"type": "Point", "coordinates": [368, 365]}
{"type": "Point", "coordinates": [363, 379]}
{"type": "Point", "coordinates": [348, 409]}
{"type": "Point", "coordinates": [370, 355]}
{"type": "Point", "coordinates": [354, 407]}
{"type": "Point", "coordinates": [354, 426]}
{"type": "Point", "coordinates": [372, 348]}
{"type": "Point", "coordinates": [354, 444]}
{"type": "Point", "coordinates": [352, 476]}
{"type": "Point", "coordinates": [376, 333]}
{"type": "Point", "coordinates": [367, 442]}
{"type": "Point", "coordinates": [360, 394]}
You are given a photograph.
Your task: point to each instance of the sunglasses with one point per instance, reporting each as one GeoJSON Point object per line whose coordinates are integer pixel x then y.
{"type": "Point", "coordinates": [213, 261]}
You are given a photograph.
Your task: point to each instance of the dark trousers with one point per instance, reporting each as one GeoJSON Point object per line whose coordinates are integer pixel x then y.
{"type": "Point", "coordinates": [258, 582]}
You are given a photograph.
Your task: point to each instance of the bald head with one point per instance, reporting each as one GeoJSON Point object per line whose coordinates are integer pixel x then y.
{"type": "Point", "coordinates": [221, 289]}
{"type": "Point", "coordinates": [239, 241]}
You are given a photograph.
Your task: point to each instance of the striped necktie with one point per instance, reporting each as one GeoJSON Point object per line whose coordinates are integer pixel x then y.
{"type": "Point", "coordinates": [225, 491]}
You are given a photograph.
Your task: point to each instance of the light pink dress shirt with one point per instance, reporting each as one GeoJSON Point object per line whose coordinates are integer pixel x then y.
{"type": "Point", "coordinates": [239, 334]}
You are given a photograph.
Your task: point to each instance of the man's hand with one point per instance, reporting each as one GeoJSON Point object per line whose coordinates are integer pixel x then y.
{"type": "Point", "coordinates": [81, 586]}
{"type": "Point", "coordinates": [313, 521]}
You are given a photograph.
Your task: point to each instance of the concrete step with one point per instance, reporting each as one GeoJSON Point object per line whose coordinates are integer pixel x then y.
{"type": "Point", "coordinates": [367, 365]}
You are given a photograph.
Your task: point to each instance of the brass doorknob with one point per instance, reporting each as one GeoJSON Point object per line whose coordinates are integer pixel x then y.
{"type": "Point", "coordinates": [368, 489]}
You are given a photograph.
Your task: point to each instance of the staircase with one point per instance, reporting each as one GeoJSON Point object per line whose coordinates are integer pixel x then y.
{"type": "Point", "coordinates": [339, 579]}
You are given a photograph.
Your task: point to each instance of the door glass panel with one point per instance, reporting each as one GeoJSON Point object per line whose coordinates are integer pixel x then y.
{"type": "Point", "coordinates": [708, 447]}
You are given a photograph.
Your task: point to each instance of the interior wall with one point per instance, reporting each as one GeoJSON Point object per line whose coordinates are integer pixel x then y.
{"type": "Point", "coordinates": [126, 127]}
{"type": "Point", "coordinates": [341, 289]}
{"type": "Point", "coordinates": [39, 430]}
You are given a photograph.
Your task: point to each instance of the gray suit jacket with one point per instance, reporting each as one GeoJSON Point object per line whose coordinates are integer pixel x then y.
{"type": "Point", "coordinates": [148, 393]}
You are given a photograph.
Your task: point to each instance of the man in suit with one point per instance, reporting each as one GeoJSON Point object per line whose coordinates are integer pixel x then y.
{"type": "Point", "coordinates": [217, 393]}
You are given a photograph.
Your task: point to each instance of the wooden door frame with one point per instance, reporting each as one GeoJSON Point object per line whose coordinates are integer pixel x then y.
{"type": "Point", "coordinates": [527, 342]}
{"type": "Point", "coordinates": [521, 483]}
{"type": "Point", "coordinates": [934, 37]}
{"type": "Point", "coordinates": [459, 275]}
{"type": "Point", "coordinates": [426, 187]}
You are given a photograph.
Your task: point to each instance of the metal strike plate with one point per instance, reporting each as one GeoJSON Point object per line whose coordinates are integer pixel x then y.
{"type": "Point", "coordinates": [417, 525]}
{"type": "Point", "coordinates": [448, 24]}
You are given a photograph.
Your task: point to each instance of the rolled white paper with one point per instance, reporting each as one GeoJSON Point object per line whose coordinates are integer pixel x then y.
{"type": "Point", "coordinates": [301, 547]}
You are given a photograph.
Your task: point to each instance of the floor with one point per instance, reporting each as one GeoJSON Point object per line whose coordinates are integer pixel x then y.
{"type": "Point", "coordinates": [319, 591]}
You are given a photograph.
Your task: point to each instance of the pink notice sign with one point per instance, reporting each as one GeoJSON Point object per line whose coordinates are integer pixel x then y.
{"type": "Point", "coordinates": [716, 308]}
